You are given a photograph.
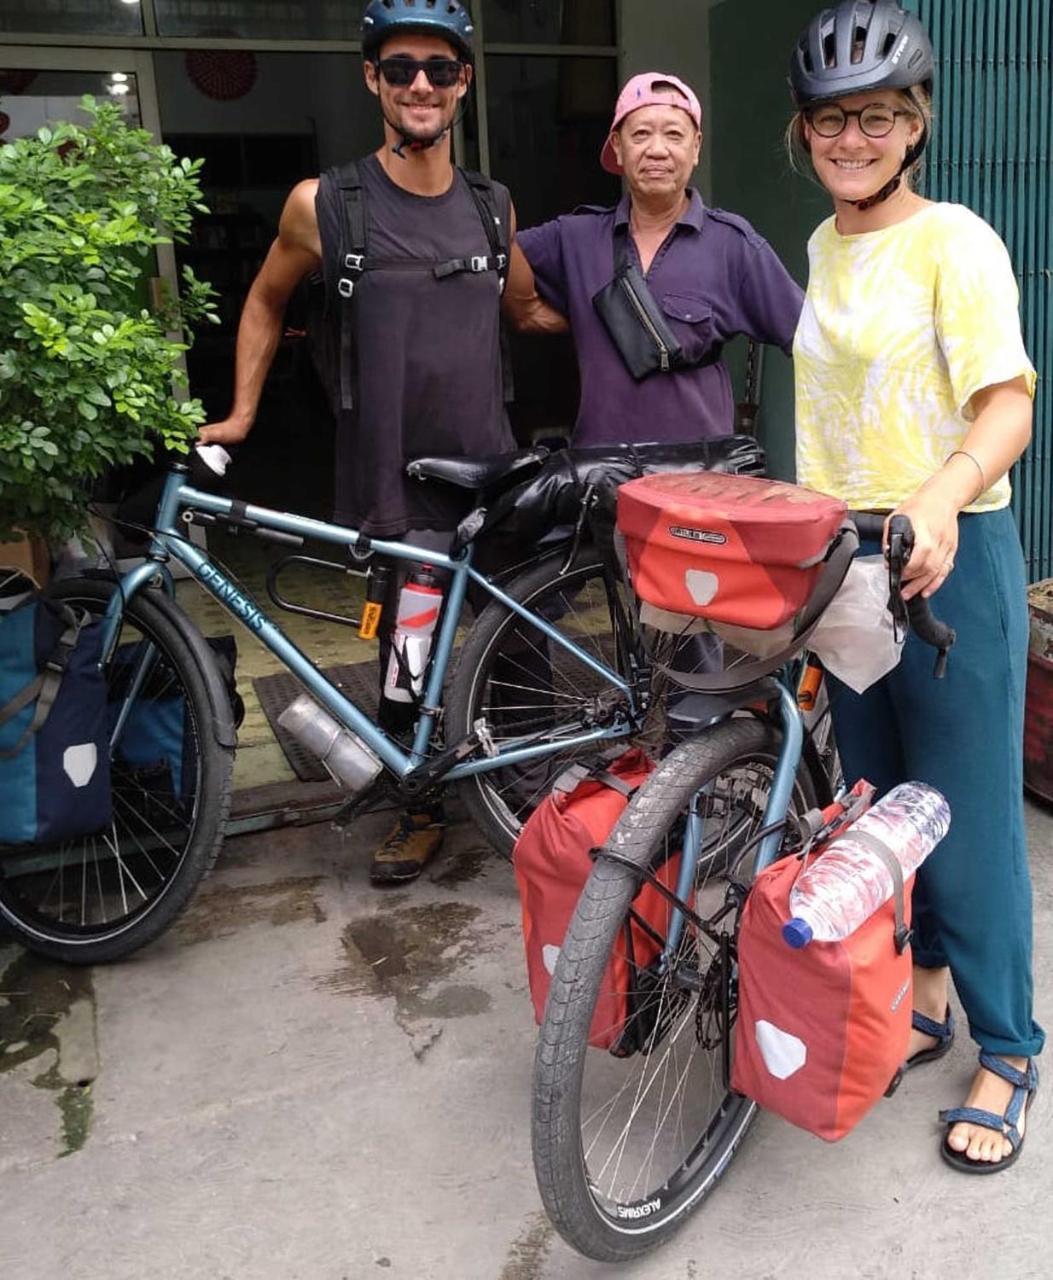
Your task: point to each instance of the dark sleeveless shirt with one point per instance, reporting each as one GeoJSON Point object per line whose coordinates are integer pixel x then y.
{"type": "Point", "coordinates": [428, 376]}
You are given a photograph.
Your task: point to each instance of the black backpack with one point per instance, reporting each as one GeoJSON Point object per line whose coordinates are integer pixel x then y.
{"type": "Point", "coordinates": [354, 262]}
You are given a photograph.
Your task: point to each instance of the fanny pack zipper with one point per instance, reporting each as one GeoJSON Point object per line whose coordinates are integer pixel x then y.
{"type": "Point", "coordinates": [645, 320]}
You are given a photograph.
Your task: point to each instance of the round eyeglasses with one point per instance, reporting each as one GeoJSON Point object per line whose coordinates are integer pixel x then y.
{"type": "Point", "coordinates": [875, 121]}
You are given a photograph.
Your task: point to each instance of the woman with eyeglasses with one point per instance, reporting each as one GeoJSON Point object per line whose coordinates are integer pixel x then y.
{"type": "Point", "coordinates": [914, 395]}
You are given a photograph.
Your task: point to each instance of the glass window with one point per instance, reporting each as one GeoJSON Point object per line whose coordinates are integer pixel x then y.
{"type": "Point", "coordinates": [30, 99]}
{"type": "Point", "coordinates": [548, 21]}
{"type": "Point", "coordinates": [548, 118]}
{"type": "Point", "coordinates": [83, 17]}
{"type": "Point", "coordinates": [261, 19]}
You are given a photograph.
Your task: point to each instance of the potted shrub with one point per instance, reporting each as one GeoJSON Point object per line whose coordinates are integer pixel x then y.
{"type": "Point", "coordinates": [89, 374]}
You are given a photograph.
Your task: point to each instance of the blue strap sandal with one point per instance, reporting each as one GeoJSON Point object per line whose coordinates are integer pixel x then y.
{"type": "Point", "coordinates": [1025, 1084]}
{"type": "Point", "coordinates": [944, 1034]}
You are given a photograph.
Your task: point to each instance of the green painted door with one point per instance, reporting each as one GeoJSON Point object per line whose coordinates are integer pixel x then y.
{"type": "Point", "coordinates": [991, 151]}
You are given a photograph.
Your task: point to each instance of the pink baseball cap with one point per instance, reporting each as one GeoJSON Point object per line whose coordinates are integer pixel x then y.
{"type": "Point", "coordinates": [641, 91]}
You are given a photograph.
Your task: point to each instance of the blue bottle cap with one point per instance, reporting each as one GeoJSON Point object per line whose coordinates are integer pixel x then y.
{"type": "Point", "coordinates": [797, 932]}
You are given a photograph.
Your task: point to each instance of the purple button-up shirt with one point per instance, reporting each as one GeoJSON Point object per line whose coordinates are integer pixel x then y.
{"type": "Point", "coordinates": [714, 277]}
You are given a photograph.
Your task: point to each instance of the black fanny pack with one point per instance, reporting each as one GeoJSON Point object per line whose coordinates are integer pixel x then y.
{"type": "Point", "coordinates": [637, 324]}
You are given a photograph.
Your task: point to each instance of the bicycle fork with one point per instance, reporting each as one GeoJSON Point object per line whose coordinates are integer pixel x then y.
{"type": "Point", "coordinates": [768, 842]}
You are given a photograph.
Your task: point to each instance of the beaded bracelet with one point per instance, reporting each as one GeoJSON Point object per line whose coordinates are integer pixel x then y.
{"type": "Point", "coordinates": [977, 464]}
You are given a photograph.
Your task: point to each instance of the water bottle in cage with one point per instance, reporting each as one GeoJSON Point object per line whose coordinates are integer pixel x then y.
{"type": "Point", "coordinates": [418, 614]}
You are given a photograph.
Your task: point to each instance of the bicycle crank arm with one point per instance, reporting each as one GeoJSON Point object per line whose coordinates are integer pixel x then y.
{"type": "Point", "coordinates": [426, 775]}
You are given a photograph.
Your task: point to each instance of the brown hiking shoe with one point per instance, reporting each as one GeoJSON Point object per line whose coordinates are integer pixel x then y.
{"type": "Point", "coordinates": [414, 840]}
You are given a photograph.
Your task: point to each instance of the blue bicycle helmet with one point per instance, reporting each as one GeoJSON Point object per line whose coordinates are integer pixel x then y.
{"type": "Point", "coordinates": [859, 45]}
{"type": "Point", "coordinates": [447, 19]}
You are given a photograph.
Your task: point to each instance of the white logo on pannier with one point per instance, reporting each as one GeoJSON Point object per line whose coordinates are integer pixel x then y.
{"type": "Point", "coordinates": [783, 1053]}
{"type": "Point", "coordinates": [701, 586]}
{"type": "Point", "coordinates": [697, 535]}
{"type": "Point", "coordinates": [549, 956]}
{"type": "Point", "coordinates": [79, 763]}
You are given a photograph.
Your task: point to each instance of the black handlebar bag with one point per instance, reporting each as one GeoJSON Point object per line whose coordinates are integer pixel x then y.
{"type": "Point", "coordinates": [54, 740]}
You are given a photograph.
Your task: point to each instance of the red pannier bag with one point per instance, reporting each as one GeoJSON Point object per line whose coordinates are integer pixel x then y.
{"type": "Point", "coordinates": [736, 549]}
{"type": "Point", "coordinates": [552, 860]}
{"type": "Point", "coordinates": [821, 1033]}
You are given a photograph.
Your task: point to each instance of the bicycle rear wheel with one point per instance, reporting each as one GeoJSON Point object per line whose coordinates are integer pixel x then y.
{"type": "Point", "coordinates": [625, 1147]}
{"type": "Point", "coordinates": [104, 895]}
{"type": "Point", "coordinates": [525, 687]}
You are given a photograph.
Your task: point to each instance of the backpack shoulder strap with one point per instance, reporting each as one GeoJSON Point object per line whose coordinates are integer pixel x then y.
{"type": "Point", "coordinates": [348, 181]}
{"type": "Point", "coordinates": [495, 228]}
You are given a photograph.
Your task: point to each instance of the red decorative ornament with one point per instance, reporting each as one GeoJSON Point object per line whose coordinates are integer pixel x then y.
{"type": "Point", "coordinates": [222, 74]}
{"type": "Point", "coordinates": [16, 79]}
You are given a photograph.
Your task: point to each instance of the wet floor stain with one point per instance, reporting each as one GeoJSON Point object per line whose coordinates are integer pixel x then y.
{"type": "Point", "coordinates": [38, 999]}
{"type": "Point", "coordinates": [463, 866]}
{"type": "Point", "coordinates": [528, 1251]}
{"type": "Point", "coordinates": [409, 953]}
{"type": "Point", "coordinates": [224, 909]}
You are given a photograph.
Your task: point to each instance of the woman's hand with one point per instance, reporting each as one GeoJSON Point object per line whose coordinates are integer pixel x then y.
{"type": "Point", "coordinates": [934, 517]}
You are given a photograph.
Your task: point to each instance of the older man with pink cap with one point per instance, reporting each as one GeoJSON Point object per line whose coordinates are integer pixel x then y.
{"type": "Point", "coordinates": [710, 275]}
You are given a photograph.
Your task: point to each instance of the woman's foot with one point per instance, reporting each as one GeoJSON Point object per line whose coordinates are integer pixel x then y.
{"type": "Point", "coordinates": [991, 1093]}
{"type": "Point", "coordinates": [930, 1000]}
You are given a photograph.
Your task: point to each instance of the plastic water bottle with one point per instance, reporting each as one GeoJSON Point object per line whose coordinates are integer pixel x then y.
{"type": "Point", "coordinates": [419, 603]}
{"type": "Point", "coordinates": [848, 882]}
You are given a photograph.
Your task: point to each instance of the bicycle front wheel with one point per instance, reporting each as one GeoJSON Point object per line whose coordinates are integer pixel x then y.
{"type": "Point", "coordinates": [525, 688]}
{"type": "Point", "coordinates": [628, 1142]}
{"type": "Point", "coordinates": [104, 895]}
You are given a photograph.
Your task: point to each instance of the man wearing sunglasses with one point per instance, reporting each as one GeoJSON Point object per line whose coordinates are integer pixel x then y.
{"type": "Point", "coordinates": [413, 254]}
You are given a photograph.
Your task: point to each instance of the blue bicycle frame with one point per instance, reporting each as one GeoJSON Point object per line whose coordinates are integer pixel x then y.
{"type": "Point", "coordinates": [169, 542]}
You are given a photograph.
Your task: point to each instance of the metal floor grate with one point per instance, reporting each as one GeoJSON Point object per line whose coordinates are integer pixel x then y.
{"type": "Point", "coordinates": [359, 681]}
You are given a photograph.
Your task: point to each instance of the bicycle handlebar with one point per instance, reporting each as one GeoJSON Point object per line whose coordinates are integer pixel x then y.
{"type": "Point", "coordinates": [916, 613]}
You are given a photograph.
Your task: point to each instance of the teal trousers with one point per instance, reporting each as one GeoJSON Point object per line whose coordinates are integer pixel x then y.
{"type": "Point", "coordinates": [964, 735]}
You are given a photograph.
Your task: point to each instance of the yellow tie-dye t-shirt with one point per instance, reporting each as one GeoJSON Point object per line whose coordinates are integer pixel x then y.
{"type": "Point", "coordinates": [900, 328]}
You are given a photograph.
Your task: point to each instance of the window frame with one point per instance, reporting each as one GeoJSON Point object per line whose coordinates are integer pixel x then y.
{"type": "Point", "coordinates": [151, 42]}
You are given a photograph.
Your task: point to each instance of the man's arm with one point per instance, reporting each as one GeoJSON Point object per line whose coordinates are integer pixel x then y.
{"type": "Point", "coordinates": [523, 306]}
{"type": "Point", "coordinates": [769, 297]}
{"type": "Point", "coordinates": [295, 252]}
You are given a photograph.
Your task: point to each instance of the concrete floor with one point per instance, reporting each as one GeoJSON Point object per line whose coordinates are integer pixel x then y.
{"type": "Point", "coordinates": [311, 1080]}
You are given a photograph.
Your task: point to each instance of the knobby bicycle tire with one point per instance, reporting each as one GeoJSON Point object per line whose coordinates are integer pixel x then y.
{"type": "Point", "coordinates": [616, 1208]}
{"type": "Point", "coordinates": [105, 895]}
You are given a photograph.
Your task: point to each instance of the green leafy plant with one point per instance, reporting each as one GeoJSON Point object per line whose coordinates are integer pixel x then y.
{"type": "Point", "coordinates": [88, 373]}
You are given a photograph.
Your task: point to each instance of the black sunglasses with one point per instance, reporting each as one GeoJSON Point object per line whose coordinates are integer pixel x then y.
{"type": "Point", "coordinates": [442, 73]}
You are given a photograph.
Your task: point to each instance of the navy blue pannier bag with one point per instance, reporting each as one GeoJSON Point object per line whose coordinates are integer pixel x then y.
{"type": "Point", "coordinates": [153, 754]}
{"type": "Point", "coordinates": [54, 740]}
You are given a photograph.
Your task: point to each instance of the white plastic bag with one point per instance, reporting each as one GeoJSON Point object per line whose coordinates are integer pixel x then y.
{"type": "Point", "coordinates": [855, 639]}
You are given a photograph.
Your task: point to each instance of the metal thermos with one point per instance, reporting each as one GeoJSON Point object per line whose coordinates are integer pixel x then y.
{"type": "Point", "coordinates": [346, 757]}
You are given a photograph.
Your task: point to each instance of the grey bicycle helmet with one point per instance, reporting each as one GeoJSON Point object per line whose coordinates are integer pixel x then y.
{"type": "Point", "coordinates": [859, 45]}
{"type": "Point", "coordinates": [447, 19]}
